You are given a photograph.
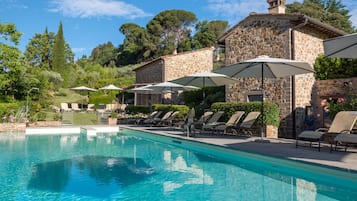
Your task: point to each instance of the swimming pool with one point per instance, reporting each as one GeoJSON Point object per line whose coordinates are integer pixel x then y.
{"type": "Point", "coordinates": [132, 165]}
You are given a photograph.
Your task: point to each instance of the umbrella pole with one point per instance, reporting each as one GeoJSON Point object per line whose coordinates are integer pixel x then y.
{"type": "Point", "coordinates": [262, 130]}
{"type": "Point", "coordinates": [203, 91]}
{"type": "Point", "coordinates": [262, 109]}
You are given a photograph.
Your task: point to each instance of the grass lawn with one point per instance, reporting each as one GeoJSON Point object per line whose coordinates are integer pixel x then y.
{"type": "Point", "coordinates": [80, 118]}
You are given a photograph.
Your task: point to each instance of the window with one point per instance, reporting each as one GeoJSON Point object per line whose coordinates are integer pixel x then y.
{"type": "Point", "coordinates": [254, 96]}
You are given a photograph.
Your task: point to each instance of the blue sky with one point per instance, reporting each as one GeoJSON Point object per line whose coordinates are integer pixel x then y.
{"type": "Point", "coordinates": [88, 23]}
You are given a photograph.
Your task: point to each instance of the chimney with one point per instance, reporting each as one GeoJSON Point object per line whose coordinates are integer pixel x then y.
{"type": "Point", "coordinates": [276, 6]}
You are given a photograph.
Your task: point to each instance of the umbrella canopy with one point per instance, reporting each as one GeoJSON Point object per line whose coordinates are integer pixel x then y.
{"type": "Point", "coordinates": [111, 87]}
{"type": "Point", "coordinates": [170, 87]}
{"type": "Point", "coordinates": [204, 79]}
{"type": "Point", "coordinates": [144, 90]}
{"type": "Point", "coordinates": [266, 67]}
{"type": "Point", "coordinates": [341, 47]}
{"type": "Point", "coordinates": [83, 88]}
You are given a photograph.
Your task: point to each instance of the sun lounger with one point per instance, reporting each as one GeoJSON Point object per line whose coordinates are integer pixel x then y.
{"type": "Point", "coordinates": [151, 118]}
{"type": "Point", "coordinates": [170, 119]}
{"type": "Point", "coordinates": [231, 123]}
{"type": "Point", "coordinates": [75, 107]}
{"type": "Point", "coordinates": [345, 139]}
{"type": "Point", "coordinates": [159, 121]}
{"type": "Point", "coordinates": [90, 108]}
{"type": "Point", "coordinates": [246, 126]}
{"type": "Point", "coordinates": [342, 123]}
{"type": "Point", "coordinates": [65, 108]}
{"type": "Point", "coordinates": [197, 125]}
{"type": "Point", "coordinates": [213, 121]}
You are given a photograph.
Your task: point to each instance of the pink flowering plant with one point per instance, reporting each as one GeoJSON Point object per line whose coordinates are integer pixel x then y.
{"type": "Point", "coordinates": [333, 105]}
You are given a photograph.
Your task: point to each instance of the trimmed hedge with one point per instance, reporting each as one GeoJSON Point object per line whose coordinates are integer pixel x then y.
{"type": "Point", "coordinates": [271, 110]}
{"type": "Point", "coordinates": [183, 109]}
{"type": "Point", "coordinates": [135, 109]}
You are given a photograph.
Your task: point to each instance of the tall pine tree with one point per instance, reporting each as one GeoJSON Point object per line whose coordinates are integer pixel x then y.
{"type": "Point", "coordinates": [59, 60]}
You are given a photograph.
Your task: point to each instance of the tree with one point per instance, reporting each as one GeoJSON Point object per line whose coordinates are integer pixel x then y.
{"type": "Point", "coordinates": [38, 52]}
{"type": "Point", "coordinates": [10, 61]}
{"type": "Point", "coordinates": [60, 49]}
{"type": "Point", "coordinates": [59, 61]}
{"type": "Point", "coordinates": [104, 54]}
{"type": "Point", "coordinates": [332, 12]}
{"type": "Point", "coordinates": [207, 33]}
{"type": "Point", "coordinates": [333, 68]}
{"type": "Point", "coordinates": [170, 28]}
{"type": "Point", "coordinates": [138, 45]}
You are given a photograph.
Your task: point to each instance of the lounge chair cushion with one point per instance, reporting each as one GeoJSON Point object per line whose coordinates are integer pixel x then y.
{"type": "Point", "coordinates": [313, 135]}
{"type": "Point", "coordinates": [347, 138]}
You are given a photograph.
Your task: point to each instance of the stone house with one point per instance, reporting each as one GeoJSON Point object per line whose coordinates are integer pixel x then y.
{"type": "Point", "coordinates": [170, 67]}
{"type": "Point", "coordinates": [280, 35]}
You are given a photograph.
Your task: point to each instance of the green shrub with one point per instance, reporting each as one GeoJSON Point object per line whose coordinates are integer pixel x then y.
{"type": "Point", "coordinates": [136, 109]}
{"type": "Point", "coordinates": [100, 99]}
{"type": "Point", "coordinates": [271, 110]}
{"type": "Point", "coordinates": [183, 109]}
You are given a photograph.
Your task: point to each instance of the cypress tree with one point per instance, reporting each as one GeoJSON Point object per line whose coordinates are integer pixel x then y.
{"type": "Point", "coordinates": [59, 60]}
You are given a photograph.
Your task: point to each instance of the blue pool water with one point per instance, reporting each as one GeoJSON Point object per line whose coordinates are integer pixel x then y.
{"type": "Point", "coordinates": [131, 165]}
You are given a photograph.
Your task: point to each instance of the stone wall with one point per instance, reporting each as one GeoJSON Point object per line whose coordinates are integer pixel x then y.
{"type": "Point", "coordinates": [325, 89]}
{"type": "Point", "coordinates": [6, 127]}
{"type": "Point", "coordinates": [150, 73]}
{"type": "Point", "coordinates": [170, 67]}
{"type": "Point", "coordinates": [275, 37]}
{"type": "Point", "coordinates": [308, 44]}
{"type": "Point", "coordinates": [188, 63]}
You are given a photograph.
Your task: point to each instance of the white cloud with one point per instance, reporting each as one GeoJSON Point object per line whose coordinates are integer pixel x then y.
{"type": "Point", "coordinates": [235, 10]}
{"type": "Point", "coordinates": [97, 8]}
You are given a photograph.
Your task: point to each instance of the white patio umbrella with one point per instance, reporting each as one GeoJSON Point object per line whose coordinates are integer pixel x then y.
{"type": "Point", "coordinates": [144, 90]}
{"type": "Point", "coordinates": [266, 67]}
{"type": "Point", "coordinates": [204, 79]}
{"type": "Point", "coordinates": [170, 87]}
{"type": "Point", "coordinates": [83, 89]}
{"type": "Point", "coordinates": [341, 47]}
{"type": "Point", "coordinates": [110, 88]}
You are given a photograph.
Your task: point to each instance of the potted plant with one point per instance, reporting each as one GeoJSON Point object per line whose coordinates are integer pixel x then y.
{"type": "Point", "coordinates": [112, 119]}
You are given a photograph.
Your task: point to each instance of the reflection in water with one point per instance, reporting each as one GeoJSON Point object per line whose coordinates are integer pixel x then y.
{"type": "Point", "coordinates": [102, 175]}
{"type": "Point", "coordinates": [197, 175]}
{"type": "Point", "coordinates": [305, 191]}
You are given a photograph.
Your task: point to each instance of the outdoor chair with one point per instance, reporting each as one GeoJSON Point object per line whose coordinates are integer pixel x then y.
{"type": "Point", "coordinates": [246, 126]}
{"type": "Point", "coordinates": [75, 107]}
{"type": "Point", "coordinates": [232, 122]}
{"type": "Point", "coordinates": [101, 108]}
{"type": "Point", "coordinates": [344, 139]}
{"type": "Point", "coordinates": [170, 119]}
{"type": "Point", "coordinates": [151, 118]}
{"type": "Point", "coordinates": [65, 108]}
{"type": "Point", "coordinates": [197, 125]}
{"type": "Point", "coordinates": [90, 107]}
{"type": "Point", "coordinates": [213, 121]}
{"type": "Point", "coordinates": [342, 124]}
{"type": "Point", "coordinates": [159, 121]}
